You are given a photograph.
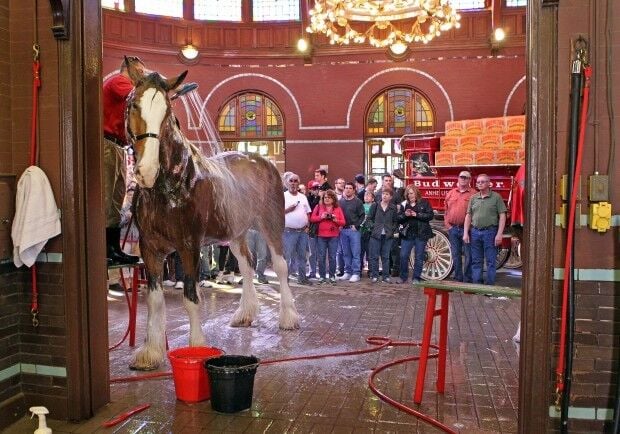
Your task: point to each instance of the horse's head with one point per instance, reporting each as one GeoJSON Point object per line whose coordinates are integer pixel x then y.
{"type": "Point", "coordinates": [148, 106]}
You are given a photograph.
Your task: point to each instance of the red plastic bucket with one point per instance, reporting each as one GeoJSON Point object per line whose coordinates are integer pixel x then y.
{"type": "Point", "coordinates": [191, 380]}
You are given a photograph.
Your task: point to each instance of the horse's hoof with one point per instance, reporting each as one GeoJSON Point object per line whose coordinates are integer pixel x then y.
{"type": "Point", "coordinates": [289, 320]}
{"type": "Point", "coordinates": [136, 367]}
{"type": "Point", "coordinates": [242, 323]}
{"type": "Point", "coordinates": [294, 326]}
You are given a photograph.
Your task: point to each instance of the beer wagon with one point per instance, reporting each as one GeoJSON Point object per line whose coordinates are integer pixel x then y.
{"type": "Point", "coordinates": [434, 182]}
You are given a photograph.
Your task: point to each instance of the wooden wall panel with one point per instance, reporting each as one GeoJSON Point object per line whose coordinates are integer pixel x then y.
{"type": "Point", "coordinates": [147, 32]}
{"type": "Point", "coordinates": [130, 30]}
{"type": "Point", "coordinates": [247, 39]}
{"type": "Point", "coordinates": [263, 38]}
{"type": "Point", "coordinates": [164, 34]}
{"type": "Point", "coordinates": [231, 38]}
{"type": "Point", "coordinates": [180, 35]}
{"type": "Point", "coordinates": [113, 26]}
{"type": "Point", "coordinates": [214, 38]}
{"type": "Point", "coordinates": [481, 26]}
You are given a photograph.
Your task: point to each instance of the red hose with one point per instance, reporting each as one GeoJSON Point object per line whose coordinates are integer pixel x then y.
{"type": "Point", "coordinates": [126, 415]}
{"type": "Point", "coordinates": [378, 343]}
{"type": "Point", "coordinates": [571, 226]}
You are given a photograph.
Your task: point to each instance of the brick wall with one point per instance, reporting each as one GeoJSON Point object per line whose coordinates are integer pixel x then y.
{"type": "Point", "coordinates": [597, 301]}
{"type": "Point", "coordinates": [32, 361]}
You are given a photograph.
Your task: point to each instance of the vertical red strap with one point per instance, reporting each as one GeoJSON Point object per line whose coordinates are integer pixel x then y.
{"type": "Point", "coordinates": [36, 84]}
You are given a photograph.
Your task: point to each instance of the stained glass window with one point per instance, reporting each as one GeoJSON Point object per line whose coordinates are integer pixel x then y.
{"type": "Point", "coordinates": [399, 111]}
{"type": "Point", "coordinates": [515, 3]}
{"type": "Point", "coordinates": [468, 4]}
{"type": "Point", "coordinates": [251, 115]}
{"type": "Point", "coordinates": [119, 5]}
{"type": "Point", "coordinates": [220, 10]}
{"type": "Point", "coordinates": [275, 10]}
{"type": "Point", "coordinates": [376, 116]}
{"type": "Point", "coordinates": [226, 122]}
{"type": "Point", "coordinates": [168, 8]}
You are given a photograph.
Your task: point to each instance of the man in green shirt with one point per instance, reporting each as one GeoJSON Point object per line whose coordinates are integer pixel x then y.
{"type": "Point", "coordinates": [486, 217]}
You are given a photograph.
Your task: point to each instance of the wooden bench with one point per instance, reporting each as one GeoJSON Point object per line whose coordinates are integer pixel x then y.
{"type": "Point", "coordinates": [432, 289]}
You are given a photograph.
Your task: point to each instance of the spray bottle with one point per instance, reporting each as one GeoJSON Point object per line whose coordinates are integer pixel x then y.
{"type": "Point", "coordinates": [41, 412]}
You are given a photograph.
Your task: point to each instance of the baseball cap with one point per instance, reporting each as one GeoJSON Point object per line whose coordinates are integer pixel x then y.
{"type": "Point", "coordinates": [359, 178]}
{"type": "Point", "coordinates": [313, 184]}
{"type": "Point", "coordinates": [465, 174]}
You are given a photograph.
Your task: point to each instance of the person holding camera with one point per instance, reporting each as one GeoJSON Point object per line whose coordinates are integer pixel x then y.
{"type": "Point", "coordinates": [330, 218]}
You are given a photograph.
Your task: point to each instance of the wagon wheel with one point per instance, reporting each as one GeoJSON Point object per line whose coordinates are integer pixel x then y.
{"type": "Point", "coordinates": [438, 264]}
{"type": "Point", "coordinates": [502, 257]}
{"type": "Point", "coordinates": [514, 260]}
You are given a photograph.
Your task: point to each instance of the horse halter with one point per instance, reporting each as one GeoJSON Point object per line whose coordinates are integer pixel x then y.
{"type": "Point", "coordinates": [135, 138]}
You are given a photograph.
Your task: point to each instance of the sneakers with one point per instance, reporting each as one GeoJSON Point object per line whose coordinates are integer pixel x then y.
{"type": "Point", "coordinates": [179, 285]}
{"type": "Point", "coordinates": [345, 276]}
{"type": "Point", "coordinates": [168, 283]}
{"type": "Point", "coordinates": [416, 281]}
{"type": "Point", "coordinates": [387, 280]}
{"type": "Point", "coordinates": [205, 284]}
{"type": "Point", "coordinates": [225, 278]}
{"type": "Point", "coordinates": [323, 281]}
{"type": "Point", "coordinates": [355, 278]}
{"type": "Point", "coordinates": [374, 279]}
{"type": "Point", "coordinates": [332, 280]}
{"type": "Point", "coordinates": [305, 282]}
{"type": "Point", "coordinates": [263, 280]}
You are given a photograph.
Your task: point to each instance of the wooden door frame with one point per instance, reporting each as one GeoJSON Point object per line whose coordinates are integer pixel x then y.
{"type": "Point", "coordinates": [84, 268]}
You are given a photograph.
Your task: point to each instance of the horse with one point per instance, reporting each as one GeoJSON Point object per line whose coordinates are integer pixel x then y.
{"type": "Point", "coordinates": [185, 200]}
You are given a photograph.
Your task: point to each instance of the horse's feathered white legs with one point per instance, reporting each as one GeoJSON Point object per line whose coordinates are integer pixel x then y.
{"type": "Point", "coordinates": [289, 318]}
{"type": "Point", "coordinates": [196, 335]}
{"type": "Point", "coordinates": [248, 305]}
{"type": "Point", "coordinates": [151, 353]}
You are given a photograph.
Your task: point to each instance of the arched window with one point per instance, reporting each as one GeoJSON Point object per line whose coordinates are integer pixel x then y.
{"type": "Point", "coordinates": [220, 10]}
{"type": "Point", "coordinates": [468, 4]}
{"type": "Point", "coordinates": [392, 114]}
{"type": "Point", "coordinates": [118, 5]}
{"type": "Point", "coordinates": [252, 122]}
{"type": "Point", "coordinates": [167, 8]}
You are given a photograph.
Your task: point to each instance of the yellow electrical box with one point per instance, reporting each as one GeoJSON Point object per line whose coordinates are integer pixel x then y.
{"type": "Point", "coordinates": [600, 216]}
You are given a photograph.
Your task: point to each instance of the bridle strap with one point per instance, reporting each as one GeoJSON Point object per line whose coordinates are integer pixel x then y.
{"type": "Point", "coordinates": [145, 135]}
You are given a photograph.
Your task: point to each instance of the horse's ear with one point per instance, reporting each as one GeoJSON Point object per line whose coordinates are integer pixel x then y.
{"type": "Point", "coordinates": [174, 82]}
{"type": "Point", "coordinates": [134, 69]}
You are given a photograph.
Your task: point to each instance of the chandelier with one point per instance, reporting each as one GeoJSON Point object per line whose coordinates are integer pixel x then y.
{"type": "Point", "coordinates": [333, 18]}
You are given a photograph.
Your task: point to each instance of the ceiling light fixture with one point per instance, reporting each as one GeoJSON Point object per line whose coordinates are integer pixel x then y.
{"type": "Point", "coordinates": [334, 19]}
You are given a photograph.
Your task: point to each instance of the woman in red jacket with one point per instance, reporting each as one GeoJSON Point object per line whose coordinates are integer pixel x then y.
{"type": "Point", "coordinates": [330, 219]}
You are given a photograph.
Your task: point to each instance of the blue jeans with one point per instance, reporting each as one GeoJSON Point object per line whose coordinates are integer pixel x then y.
{"type": "Point", "coordinates": [258, 247]}
{"type": "Point", "coordinates": [380, 247]}
{"type": "Point", "coordinates": [340, 262]}
{"type": "Point", "coordinates": [295, 245]}
{"type": "Point", "coordinates": [364, 252]}
{"type": "Point", "coordinates": [405, 251]}
{"type": "Point", "coordinates": [313, 255]}
{"type": "Point", "coordinates": [327, 245]}
{"type": "Point", "coordinates": [351, 240]}
{"type": "Point", "coordinates": [483, 247]}
{"type": "Point", "coordinates": [462, 271]}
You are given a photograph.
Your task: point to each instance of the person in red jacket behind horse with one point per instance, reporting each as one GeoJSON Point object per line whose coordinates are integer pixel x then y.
{"type": "Point", "coordinates": [115, 92]}
{"type": "Point", "coordinates": [330, 218]}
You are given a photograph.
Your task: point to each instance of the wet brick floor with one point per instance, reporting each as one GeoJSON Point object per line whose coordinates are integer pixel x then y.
{"type": "Point", "coordinates": [327, 395]}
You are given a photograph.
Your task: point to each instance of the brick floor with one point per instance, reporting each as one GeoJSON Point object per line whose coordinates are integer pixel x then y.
{"type": "Point", "coordinates": [328, 395]}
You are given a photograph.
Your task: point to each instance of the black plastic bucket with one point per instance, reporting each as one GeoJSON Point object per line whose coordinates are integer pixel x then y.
{"type": "Point", "coordinates": [232, 382]}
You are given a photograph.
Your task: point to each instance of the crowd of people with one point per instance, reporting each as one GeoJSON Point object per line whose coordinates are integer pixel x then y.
{"type": "Point", "coordinates": [360, 228]}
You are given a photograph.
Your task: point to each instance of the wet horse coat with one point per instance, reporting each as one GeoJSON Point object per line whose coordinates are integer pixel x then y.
{"type": "Point", "coordinates": [186, 200]}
